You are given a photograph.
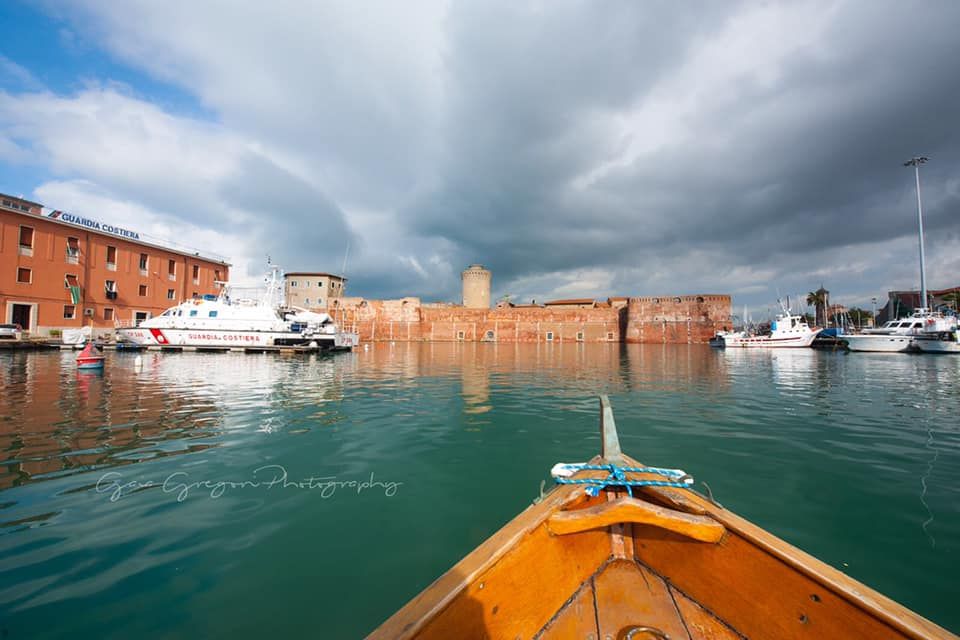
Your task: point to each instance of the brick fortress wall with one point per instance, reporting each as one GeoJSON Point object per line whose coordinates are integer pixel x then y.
{"type": "Point", "coordinates": [683, 319]}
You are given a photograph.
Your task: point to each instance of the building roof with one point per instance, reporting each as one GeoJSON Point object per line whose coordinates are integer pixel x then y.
{"type": "Point", "coordinates": [571, 301]}
{"type": "Point", "coordinates": [313, 273]}
{"type": "Point", "coordinates": [21, 199]}
{"type": "Point", "coordinates": [94, 226]}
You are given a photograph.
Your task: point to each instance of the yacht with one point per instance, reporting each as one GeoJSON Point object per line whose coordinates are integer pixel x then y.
{"type": "Point", "coordinates": [944, 342]}
{"type": "Point", "coordinates": [787, 330]}
{"type": "Point", "coordinates": [902, 334]}
{"type": "Point", "coordinates": [227, 321]}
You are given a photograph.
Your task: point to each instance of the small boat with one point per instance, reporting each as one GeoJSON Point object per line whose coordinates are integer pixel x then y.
{"type": "Point", "coordinates": [666, 562]}
{"type": "Point", "coordinates": [90, 358]}
{"type": "Point", "coordinates": [719, 340]}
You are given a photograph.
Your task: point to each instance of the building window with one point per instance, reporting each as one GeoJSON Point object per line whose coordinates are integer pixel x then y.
{"type": "Point", "coordinates": [677, 300]}
{"type": "Point", "coordinates": [70, 280]}
{"type": "Point", "coordinates": [196, 274]}
{"type": "Point", "coordinates": [108, 314]}
{"type": "Point", "coordinates": [306, 301]}
{"type": "Point", "coordinates": [610, 335]}
{"type": "Point", "coordinates": [216, 276]}
{"type": "Point", "coordinates": [461, 335]}
{"type": "Point", "coordinates": [144, 263]}
{"type": "Point", "coordinates": [549, 336]}
{"type": "Point", "coordinates": [73, 250]}
{"type": "Point", "coordinates": [699, 299]}
{"type": "Point", "coordinates": [579, 336]}
{"type": "Point", "coordinates": [212, 314]}
{"type": "Point", "coordinates": [112, 258]}
{"type": "Point", "coordinates": [293, 283]}
{"type": "Point", "coordinates": [319, 302]}
{"type": "Point", "coordinates": [26, 240]}
{"type": "Point", "coordinates": [656, 301]}
{"type": "Point", "coordinates": [196, 295]}
{"type": "Point", "coordinates": [110, 286]}
{"type": "Point", "coordinates": [489, 335]}
{"type": "Point", "coordinates": [170, 294]}
{"type": "Point", "coordinates": [143, 290]}
{"type": "Point", "coordinates": [69, 312]}
{"type": "Point", "coordinates": [24, 276]}
{"type": "Point", "coordinates": [171, 269]}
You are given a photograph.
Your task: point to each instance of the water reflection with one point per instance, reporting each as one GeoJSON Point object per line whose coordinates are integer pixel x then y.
{"type": "Point", "coordinates": [814, 446]}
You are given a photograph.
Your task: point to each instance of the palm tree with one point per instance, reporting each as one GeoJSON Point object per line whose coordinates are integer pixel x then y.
{"type": "Point", "coordinates": [818, 299]}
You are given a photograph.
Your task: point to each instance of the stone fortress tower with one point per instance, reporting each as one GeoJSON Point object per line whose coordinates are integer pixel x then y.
{"type": "Point", "coordinates": [476, 287]}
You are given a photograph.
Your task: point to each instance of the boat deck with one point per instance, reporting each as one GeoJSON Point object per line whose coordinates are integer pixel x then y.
{"type": "Point", "coordinates": [626, 596]}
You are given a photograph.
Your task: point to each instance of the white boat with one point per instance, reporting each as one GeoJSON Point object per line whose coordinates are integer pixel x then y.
{"type": "Point", "coordinates": [787, 330]}
{"type": "Point", "coordinates": [902, 334]}
{"type": "Point", "coordinates": [945, 342]}
{"type": "Point", "coordinates": [719, 339]}
{"type": "Point", "coordinates": [223, 321]}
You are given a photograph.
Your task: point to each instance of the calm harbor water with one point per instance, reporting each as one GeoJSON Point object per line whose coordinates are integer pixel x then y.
{"type": "Point", "coordinates": [153, 502]}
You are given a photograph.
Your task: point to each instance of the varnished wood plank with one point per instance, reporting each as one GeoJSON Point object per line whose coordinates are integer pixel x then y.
{"type": "Point", "coordinates": [519, 594]}
{"type": "Point", "coordinates": [700, 623]}
{"type": "Point", "coordinates": [755, 592]}
{"type": "Point", "coordinates": [630, 596]}
{"type": "Point", "coordinates": [747, 544]}
{"type": "Point", "coordinates": [625, 509]}
{"type": "Point", "coordinates": [520, 573]}
{"type": "Point", "coordinates": [576, 621]}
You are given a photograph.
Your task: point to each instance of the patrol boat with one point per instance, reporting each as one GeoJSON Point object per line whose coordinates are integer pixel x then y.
{"type": "Point", "coordinates": [227, 321]}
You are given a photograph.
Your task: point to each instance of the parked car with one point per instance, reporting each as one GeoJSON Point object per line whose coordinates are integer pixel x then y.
{"type": "Point", "coordinates": [10, 331]}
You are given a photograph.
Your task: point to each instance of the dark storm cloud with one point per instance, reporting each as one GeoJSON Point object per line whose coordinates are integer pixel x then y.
{"type": "Point", "coordinates": [292, 220]}
{"type": "Point", "coordinates": [620, 147]}
{"type": "Point", "coordinates": [808, 162]}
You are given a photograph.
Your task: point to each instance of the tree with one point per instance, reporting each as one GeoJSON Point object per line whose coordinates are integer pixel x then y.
{"type": "Point", "coordinates": [818, 299]}
{"type": "Point", "coordinates": [859, 317]}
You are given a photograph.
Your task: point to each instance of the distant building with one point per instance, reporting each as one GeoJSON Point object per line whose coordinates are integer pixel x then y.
{"type": "Point", "coordinates": [476, 287]}
{"type": "Point", "coordinates": [63, 271]}
{"type": "Point", "coordinates": [573, 303]}
{"type": "Point", "coordinates": [902, 303]}
{"type": "Point", "coordinates": [312, 289]}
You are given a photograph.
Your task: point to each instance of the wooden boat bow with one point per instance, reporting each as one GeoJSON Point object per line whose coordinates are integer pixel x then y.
{"type": "Point", "coordinates": [670, 565]}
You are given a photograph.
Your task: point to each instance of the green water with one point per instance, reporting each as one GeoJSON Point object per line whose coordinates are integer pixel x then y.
{"type": "Point", "coordinates": [829, 451]}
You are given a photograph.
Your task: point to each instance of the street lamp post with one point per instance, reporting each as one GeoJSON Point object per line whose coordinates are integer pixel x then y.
{"type": "Point", "coordinates": [915, 162]}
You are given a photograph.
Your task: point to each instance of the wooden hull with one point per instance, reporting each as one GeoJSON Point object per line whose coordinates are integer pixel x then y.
{"type": "Point", "coordinates": [533, 580]}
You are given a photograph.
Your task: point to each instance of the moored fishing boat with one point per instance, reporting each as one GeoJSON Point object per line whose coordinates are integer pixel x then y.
{"type": "Point", "coordinates": [640, 555]}
{"type": "Point", "coordinates": [787, 330]}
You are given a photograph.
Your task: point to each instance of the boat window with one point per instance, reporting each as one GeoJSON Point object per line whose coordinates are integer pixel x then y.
{"type": "Point", "coordinates": [193, 312]}
{"type": "Point", "coordinates": [917, 325]}
{"type": "Point", "coordinates": [213, 314]}
{"type": "Point", "coordinates": [165, 313]}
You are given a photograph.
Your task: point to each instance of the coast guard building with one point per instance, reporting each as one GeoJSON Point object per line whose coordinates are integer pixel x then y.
{"type": "Point", "coordinates": [60, 270]}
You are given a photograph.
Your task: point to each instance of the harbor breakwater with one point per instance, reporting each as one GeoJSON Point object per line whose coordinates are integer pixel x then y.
{"type": "Point", "coordinates": [669, 319]}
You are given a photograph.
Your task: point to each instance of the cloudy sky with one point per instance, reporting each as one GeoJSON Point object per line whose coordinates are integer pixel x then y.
{"type": "Point", "coordinates": [575, 148]}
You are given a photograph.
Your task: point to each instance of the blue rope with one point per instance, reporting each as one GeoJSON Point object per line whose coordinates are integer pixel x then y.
{"type": "Point", "coordinates": [618, 477]}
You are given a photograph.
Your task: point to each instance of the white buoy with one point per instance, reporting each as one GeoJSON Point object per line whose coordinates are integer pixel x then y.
{"type": "Point", "coordinates": [138, 362]}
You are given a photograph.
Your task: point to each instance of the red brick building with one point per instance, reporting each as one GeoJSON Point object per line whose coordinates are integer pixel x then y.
{"type": "Point", "coordinates": [59, 270]}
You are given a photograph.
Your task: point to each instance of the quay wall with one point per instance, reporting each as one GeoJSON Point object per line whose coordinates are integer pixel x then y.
{"type": "Point", "coordinates": [694, 319]}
